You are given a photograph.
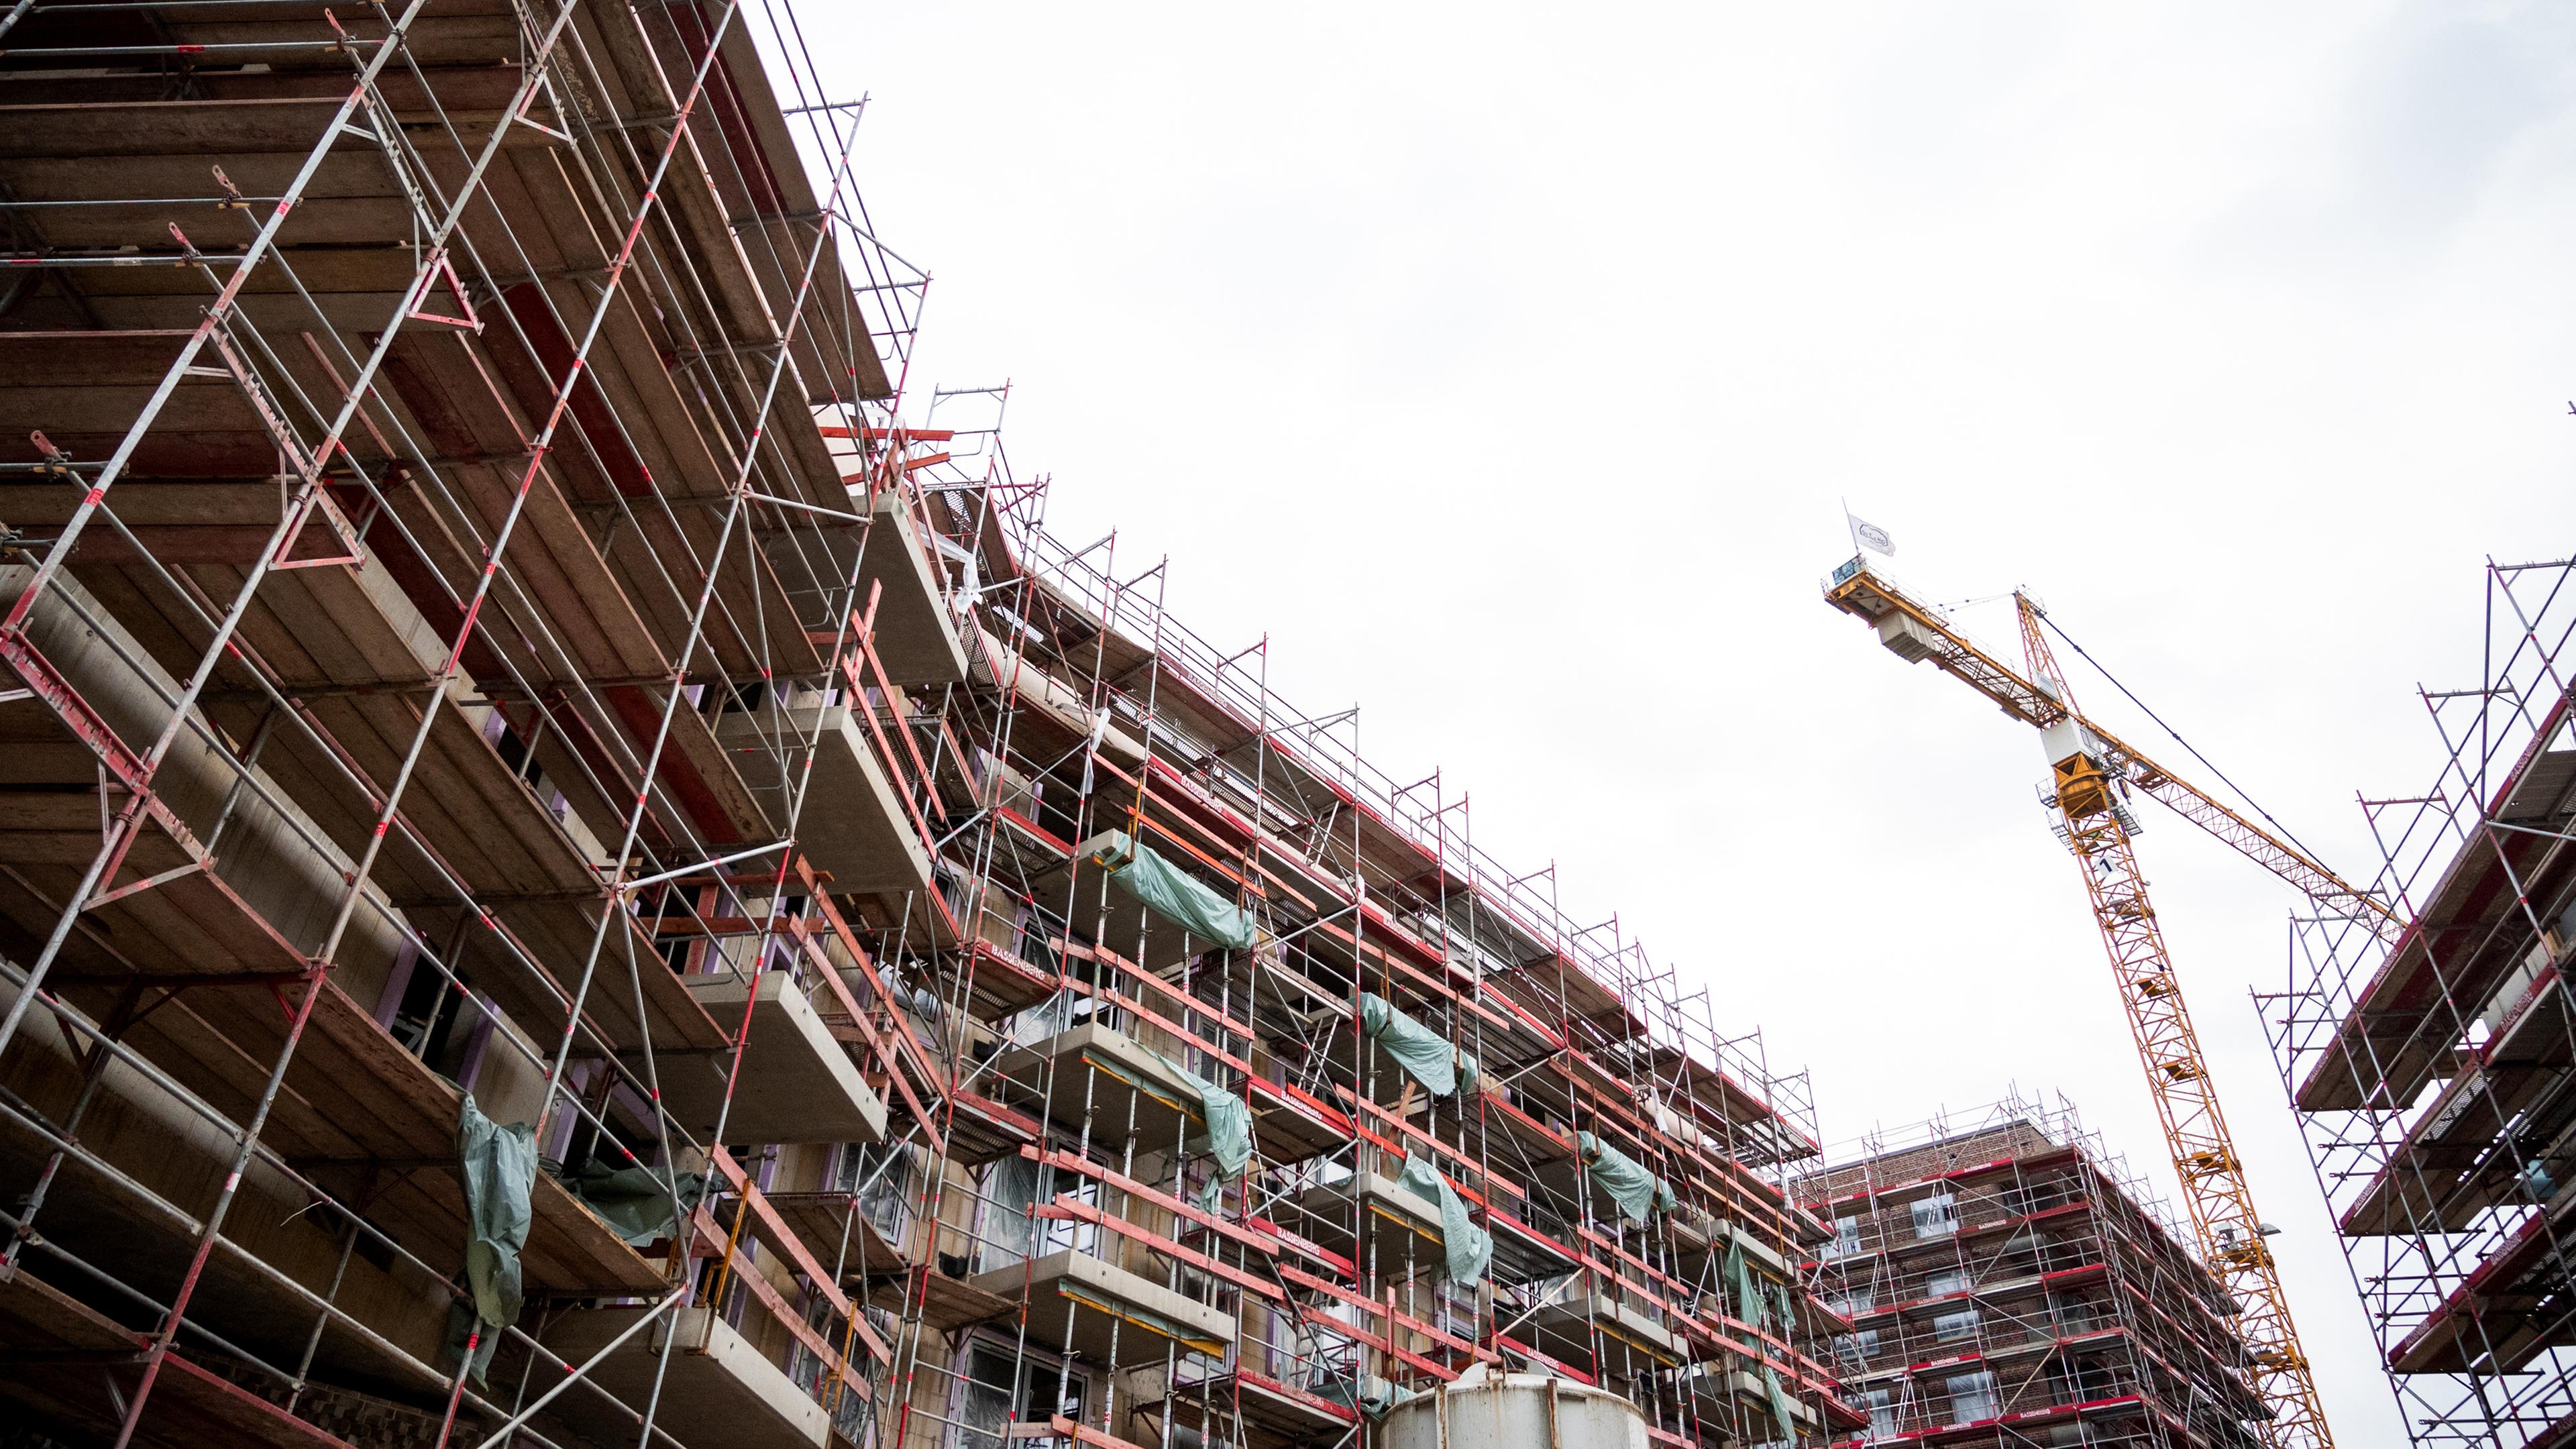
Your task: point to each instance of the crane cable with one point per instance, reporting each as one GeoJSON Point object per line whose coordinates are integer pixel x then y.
{"type": "Point", "coordinates": [2205, 761]}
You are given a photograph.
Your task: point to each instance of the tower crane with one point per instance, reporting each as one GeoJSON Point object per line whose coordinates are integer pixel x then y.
{"type": "Point", "coordinates": [2093, 775]}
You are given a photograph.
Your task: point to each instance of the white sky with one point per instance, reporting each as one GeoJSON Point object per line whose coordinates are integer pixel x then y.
{"type": "Point", "coordinates": [1505, 366]}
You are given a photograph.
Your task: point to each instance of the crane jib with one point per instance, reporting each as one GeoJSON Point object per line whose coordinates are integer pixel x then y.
{"type": "Point", "coordinates": [2090, 770]}
{"type": "Point", "coordinates": [1922, 632]}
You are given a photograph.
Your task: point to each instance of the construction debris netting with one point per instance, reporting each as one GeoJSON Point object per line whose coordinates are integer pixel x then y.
{"type": "Point", "coordinates": [1163, 889]}
{"type": "Point", "coordinates": [1425, 1055]}
{"type": "Point", "coordinates": [1639, 1193]}
{"type": "Point", "coordinates": [1469, 1247]}
{"type": "Point", "coordinates": [498, 1165]}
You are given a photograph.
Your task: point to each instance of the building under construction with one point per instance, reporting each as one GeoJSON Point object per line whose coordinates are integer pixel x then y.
{"type": "Point", "coordinates": [2009, 1284]}
{"type": "Point", "coordinates": [2429, 1051]}
{"type": "Point", "coordinates": [574, 872]}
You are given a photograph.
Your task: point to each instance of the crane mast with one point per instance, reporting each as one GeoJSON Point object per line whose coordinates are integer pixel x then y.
{"type": "Point", "coordinates": [2091, 773]}
{"type": "Point", "coordinates": [2087, 799]}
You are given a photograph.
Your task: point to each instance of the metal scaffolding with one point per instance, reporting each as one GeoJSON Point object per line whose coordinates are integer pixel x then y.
{"type": "Point", "coordinates": [2429, 1065]}
{"type": "Point", "coordinates": [2010, 1283]}
{"type": "Point", "coordinates": [568, 874]}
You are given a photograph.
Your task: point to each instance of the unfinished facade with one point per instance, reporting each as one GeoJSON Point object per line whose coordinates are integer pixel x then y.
{"type": "Point", "coordinates": [570, 876]}
{"type": "Point", "coordinates": [2008, 1285]}
{"type": "Point", "coordinates": [2429, 1050]}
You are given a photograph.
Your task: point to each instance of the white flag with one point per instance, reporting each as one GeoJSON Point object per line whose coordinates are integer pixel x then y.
{"type": "Point", "coordinates": [1870, 536]}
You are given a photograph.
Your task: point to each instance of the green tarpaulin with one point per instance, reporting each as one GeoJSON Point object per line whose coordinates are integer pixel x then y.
{"type": "Point", "coordinates": [1780, 1411]}
{"type": "Point", "coordinates": [1749, 1302]}
{"type": "Point", "coordinates": [1425, 1055]}
{"type": "Point", "coordinates": [1163, 889]}
{"type": "Point", "coordinates": [1229, 1122]}
{"type": "Point", "coordinates": [633, 1200]}
{"type": "Point", "coordinates": [1469, 1247]}
{"type": "Point", "coordinates": [1373, 1397]}
{"type": "Point", "coordinates": [1639, 1193]}
{"type": "Point", "coordinates": [498, 1165]}
{"type": "Point", "coordinates": [1756, 1306]}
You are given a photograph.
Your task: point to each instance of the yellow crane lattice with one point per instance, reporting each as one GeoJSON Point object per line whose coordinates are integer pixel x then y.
{"type": "Point", "coordinates": [2092, 772]}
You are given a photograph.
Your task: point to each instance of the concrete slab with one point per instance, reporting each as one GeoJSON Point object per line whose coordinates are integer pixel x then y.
{"type": "Point", "coordinates": [1077, 1294]}
{"type": "Point", "coordinates": [719, 1390]}
{"type": "Point", "coordinates": [1109, 1072]}
{"type": "Point", "coordinates": [916, 637]}
{"type": "Point", "coordinates": [854, 824]}
{"type": "Point", "coordinates": [1631, 1343]}
{"type": "Point", "coordinates": [1398, 1232]}
{"type": "Point", "coordinates": [797, 1083]}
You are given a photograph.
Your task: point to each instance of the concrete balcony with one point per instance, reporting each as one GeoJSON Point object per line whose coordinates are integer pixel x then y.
{"type": "Point", "coordinates": [916, 636]}
{"type": "Point", "coordinates": [854, 824]}
{"type": "Point", "coordinates": [796, 1082]}
{"type": "Point", "coordinates": [1106, 1315]}
{"type": "Point", "coordinates": [1631, 1342]}
{"type": "Point", "coordinates": [1387, 1231]}
{"type": "Point", "coordinates": [1092, 1069]}
{"type": "Point", "coordinates": [719, 1389]}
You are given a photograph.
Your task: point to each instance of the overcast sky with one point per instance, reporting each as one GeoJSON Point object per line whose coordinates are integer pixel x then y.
{"type": "Point", "coordinates": [1506, 366]}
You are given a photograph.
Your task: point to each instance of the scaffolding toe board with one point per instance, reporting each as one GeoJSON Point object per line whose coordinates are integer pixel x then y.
{"type": "Point", "coordinates": [1004, 985]}
{"type": "Point", "coordinates": [832, 1226]}
{"type": "Point", "coordinates": [981, 1130]}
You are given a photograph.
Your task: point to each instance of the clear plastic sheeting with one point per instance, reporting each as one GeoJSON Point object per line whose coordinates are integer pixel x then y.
{"type": "Point", "coordinates": [1425, 1055]}
{"type": "Point", "coordinates": [1468, 1246]}
{"type": "Point", "coordinates": [921, 1000]}
{"type": "Point", "coordinates": [1164, 889]}
{"type": "Point", "coordinates": [1639, 1193]}
{"type": "Point", "coordinates": [636, 1201]}
{"type": "Point", "coordinates": [498, 1165]}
